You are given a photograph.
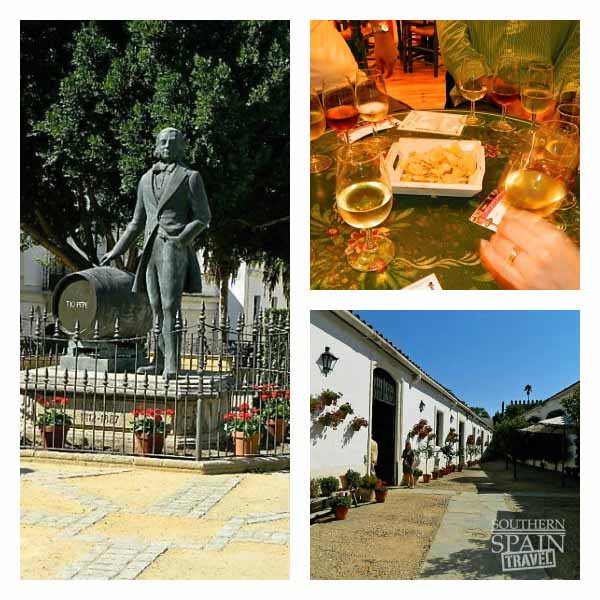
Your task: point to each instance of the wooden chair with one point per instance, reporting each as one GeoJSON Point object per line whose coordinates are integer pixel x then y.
{"type": "Point", "coordinates": [418, 40]}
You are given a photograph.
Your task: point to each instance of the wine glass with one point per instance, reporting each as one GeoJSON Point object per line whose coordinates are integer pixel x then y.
{"type": "Point", "coordinates": [318, 162]}
{"type": "Point", "coordinates": [538, 179]}
{"type": "Point", "coordinates": [559, 155]}
{"type": "Point", "coordinates": [569, 91]}
{"type": "Point", "coordinates": [364, 199]}
{"type": "Point", "coordinates": [472, 83]}
{"type": "Point", "coordinates": [339, 103]}
{"type": "Point", "coordinates": [537, 90]}
{"type": "Point", "coordinates": [372, 99]}
{"type": "Point", "coordinates": [569, 112]}
{"type": "Point", "coordinates": [505, 89]}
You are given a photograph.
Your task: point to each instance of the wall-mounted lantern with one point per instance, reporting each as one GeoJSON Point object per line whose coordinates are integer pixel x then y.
{"type": "Point", "coordinates": [451, 418]}
{"type": "Point", "coordinates": [422, 406]}
{"type": "Point", "coordinates": [327, 361]}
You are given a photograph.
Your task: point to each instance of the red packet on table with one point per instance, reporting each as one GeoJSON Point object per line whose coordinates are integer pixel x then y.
{"type": "Point", "coordinates": [490, 212]}
{"type": "Point", "coordinates": [428, 283]}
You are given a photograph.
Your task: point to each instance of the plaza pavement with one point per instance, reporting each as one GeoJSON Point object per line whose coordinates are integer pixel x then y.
{"type": "Point", "coordinates": [107, 522]}
{"type": "Point", "coordinates": [462, 548]}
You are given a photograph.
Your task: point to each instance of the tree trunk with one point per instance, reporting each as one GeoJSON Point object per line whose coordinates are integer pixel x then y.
{"type": "Point", "coordinates": [62, 250]}
{"type": "Point", "coordinates": [223, 294]}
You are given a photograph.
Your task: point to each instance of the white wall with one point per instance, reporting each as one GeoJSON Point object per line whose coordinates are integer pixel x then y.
{"type": "Point", "coordinates": [332, 451]}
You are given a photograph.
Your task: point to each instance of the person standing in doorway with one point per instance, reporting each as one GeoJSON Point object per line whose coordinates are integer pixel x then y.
{"type": "Point", "coordinates": [374, 454]}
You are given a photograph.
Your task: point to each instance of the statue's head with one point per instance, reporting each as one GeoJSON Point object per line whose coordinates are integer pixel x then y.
{"type": "Point", "coordinates": [169, 145]}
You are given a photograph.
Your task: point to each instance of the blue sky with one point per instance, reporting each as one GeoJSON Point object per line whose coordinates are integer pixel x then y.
{"type": "Point", "coordinates": [486, 357]}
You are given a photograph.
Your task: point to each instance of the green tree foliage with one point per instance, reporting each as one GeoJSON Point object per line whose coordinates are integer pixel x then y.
{"type": "Point", "coordinates": [571, 406]}
{"type": "Point", "coordinates": [90, 134]}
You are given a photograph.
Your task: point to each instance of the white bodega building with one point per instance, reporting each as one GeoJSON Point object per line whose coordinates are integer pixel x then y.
{"type": "Point", "coordinates": [247, 293]}
{"type": "Point", "coordinates": [385, 387]}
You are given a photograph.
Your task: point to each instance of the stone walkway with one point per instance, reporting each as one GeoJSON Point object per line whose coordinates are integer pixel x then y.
{"type": "Point", "coordinates": [107, 523]}
{"type": "Point", "coordinates": [462, 547]}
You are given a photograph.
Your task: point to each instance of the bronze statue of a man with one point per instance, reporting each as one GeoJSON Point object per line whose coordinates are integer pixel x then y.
{"type": "Point", "coordinates": [172, 209]}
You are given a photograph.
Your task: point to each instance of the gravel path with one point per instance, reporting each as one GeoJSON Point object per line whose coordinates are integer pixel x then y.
{"type": "Point", "coordinates": [378, 541]}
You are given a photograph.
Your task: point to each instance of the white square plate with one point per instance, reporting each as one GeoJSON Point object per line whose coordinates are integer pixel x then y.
{"type": "Point", "coordinates": [404, 146]}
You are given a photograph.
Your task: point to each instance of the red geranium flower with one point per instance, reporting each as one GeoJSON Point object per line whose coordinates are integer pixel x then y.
{"type": "Point", "coordinates": [332, 232]}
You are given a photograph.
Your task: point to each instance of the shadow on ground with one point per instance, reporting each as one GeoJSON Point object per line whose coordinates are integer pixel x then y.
{"type": "Point", "coordinates": [24, 471]}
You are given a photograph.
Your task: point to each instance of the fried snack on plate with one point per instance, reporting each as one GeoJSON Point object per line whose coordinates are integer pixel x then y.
{"type": "Point", "coordinates": [442, 164]}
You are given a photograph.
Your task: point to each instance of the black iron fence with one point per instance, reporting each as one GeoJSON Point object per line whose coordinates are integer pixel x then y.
{"type": "Point", "coordinates": [229, 397]}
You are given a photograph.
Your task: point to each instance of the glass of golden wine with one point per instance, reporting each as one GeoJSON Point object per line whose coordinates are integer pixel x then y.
{"type": "Point", "coordinates": [364, 200]}
{"type": "Point", "coordinates": [318, 162]}
{"type": "Point", "coordinates": [569, 112]}
{"type": "Point", "coordinates": [339, 103]}
{"type": "Point", "coordinates": [372, 99]}
{"type": "Point", "coordinates": [505, 88]}
{"type": "Point", "coordinates": [472, 83]}
{"type": "Point", "coordinates": [537, 90]}
{"type": "Point", "coordinates": [538, 179]}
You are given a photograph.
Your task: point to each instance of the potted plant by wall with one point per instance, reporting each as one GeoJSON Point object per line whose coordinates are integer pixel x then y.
{"type": "Point", "coordinates": [351, 480]}
{"type": "Point", "coordinates": [329, 485]}
{"type": "Point", "coordinates": [346, 409]}
{"type": "Point", "coordinates": [315, 488]}
{"type": "Point", "coordinates": [461, 459]}
{"type": "Point", "coordinates": [380, 491]}
{"type": "Point", "coordinates": [340, 506]}
{"type": "Point", "coordinates": [448, 451]}
{"type": "Point", "coordinates": [324, 399]}
{"type": "Point", "coordinates": [54, 423]}
{"type": "Point", "coordinates": [426, 451]}
{"type": "Point", "coordinates": [434, 473]}
{"type": "Point", "coordinates": [358, 423]}
{"type": "Point", "coordinates": [276, 416]}
{"type": "Point", "coordinates": [366, 490]}
{"type": "Point", "coordinates": [149, 429]}
{"type": "Point", "coordinates": [418, 473]}
{"type": "Point", "coordinates": [471, 449]}
{"type": "Point", "coordinates": [436, 463]}
{"type": "Point", "coordinates": [244, 424]}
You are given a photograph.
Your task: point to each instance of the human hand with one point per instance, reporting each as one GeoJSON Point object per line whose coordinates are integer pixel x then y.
{"type": "Point", "coordinates": [174, 239]}
{"type": "Point", "coordinates": [385, 53]}
{"type": "Point", "coordinates": [110, 255]}
{"type": "Point", "coordinates": [528, 253]}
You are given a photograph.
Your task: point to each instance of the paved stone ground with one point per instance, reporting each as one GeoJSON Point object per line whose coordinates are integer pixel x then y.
{"type": "Point", "coordinates": [186, 504]}
{"type": "Point", "coordinates": [462, 546]}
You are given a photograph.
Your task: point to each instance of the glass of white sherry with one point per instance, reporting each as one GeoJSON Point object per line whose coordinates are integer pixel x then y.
{"type": "Point", "coordinates": [537, 91]}
{"type": "Point", "coordinates": [372, 99]}
{"type": "Point", "coordinates": [472, 83]}
{"type": "Point", "coordinates": [318, 162]}
{"type": "Point", "coordinates": [364, 200]}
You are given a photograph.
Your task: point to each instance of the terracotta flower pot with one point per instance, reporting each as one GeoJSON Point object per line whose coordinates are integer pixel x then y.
{"type": "Point", "coordinates": [340, 512]}
{"type": "Point", "coordinates": [453, 468]}
{"type": "Point", "coordinates": [366, 494]}
{"type": "Point", "coordinates": [460, 467]}
{"type": "Point", "coordinates": [380, 495]}
{"type": "Point", "coordinates": [148, 443]}
{"type": "Point", "coordinates": [276, 429]}
{"type": "Point", "coordinates": [245, 445]}
{"type": "Point", "coordinates": [441, 473]}
{"type": "Point", "coordinates": [426, 477]}
{"type": "Point", "coordinates": [434, 475]}
{"type": "Point", "coordinates": [54, 436]}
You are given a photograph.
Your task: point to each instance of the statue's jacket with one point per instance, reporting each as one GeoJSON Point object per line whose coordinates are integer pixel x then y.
{"type": "Point", "coordinates": [181, 201]}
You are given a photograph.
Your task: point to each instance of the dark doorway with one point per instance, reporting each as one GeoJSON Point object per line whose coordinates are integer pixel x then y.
{"type": "Point", "coordinates": [383, 426]}
{"type": "Point", "coordinates": [461, 437]}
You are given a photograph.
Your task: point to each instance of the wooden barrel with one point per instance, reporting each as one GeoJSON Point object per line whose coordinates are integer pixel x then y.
{"type": "Point", "coordinates": [101, 294]}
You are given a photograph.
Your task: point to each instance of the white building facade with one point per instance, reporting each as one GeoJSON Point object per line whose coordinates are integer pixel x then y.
{"type": "Point", "coordinates": [247, 293]}
{"type": "Point", "coordinates": [385, 387]}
